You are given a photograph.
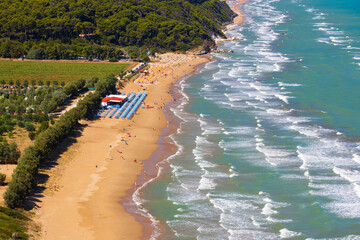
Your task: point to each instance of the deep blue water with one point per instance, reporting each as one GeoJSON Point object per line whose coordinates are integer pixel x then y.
{"type": "Point", "coordinates": [269, 143]}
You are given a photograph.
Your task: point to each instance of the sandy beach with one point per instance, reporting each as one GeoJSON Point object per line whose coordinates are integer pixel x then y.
{"type": "Point", "coordinates": [82, 195]}
{"type": "Point", "coordinates": [238, 20]}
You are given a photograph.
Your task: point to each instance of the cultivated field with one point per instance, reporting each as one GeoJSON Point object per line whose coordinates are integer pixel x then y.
{"type": "Point", "coordinates": [57, 70]}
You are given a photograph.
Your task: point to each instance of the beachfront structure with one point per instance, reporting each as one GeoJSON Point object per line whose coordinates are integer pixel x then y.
{"type": "Point", "coordinates": [121, 106]}
{"type": "Point", "coordinates": [137, 67]}
{"type": "Point", "coordinates": [114, 100]}
{"type": "Point", "coordinates": [136, 105]}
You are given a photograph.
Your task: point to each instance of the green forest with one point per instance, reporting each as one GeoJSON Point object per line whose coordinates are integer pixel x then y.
{"type": "Point", "coordinates": [68, 29]}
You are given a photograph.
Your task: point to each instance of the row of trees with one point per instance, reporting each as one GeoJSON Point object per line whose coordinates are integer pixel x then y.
{"type": "Point", "coordinates": [56, 49]}
{"type": "Point", "coordinates": [33, 83]}
{"type": "Point", "coordinates": [24, 176]}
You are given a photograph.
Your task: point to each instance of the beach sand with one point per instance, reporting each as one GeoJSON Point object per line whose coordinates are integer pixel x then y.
{"type": "Point", "coordinates": [82, 195]}
{"type": "Point", "coordinates": [239, 19]}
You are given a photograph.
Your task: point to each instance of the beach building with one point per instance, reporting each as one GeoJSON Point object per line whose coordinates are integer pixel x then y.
{"type": "Point", "coordinates": [137, 67]}
{"type": "Point", "coordinates": [114, 100]}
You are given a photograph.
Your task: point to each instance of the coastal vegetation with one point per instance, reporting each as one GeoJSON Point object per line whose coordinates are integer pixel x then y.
{"type": "Point", "coordinates": [24, 177]}
{"type": "Point", "coordinates": [71, 29]}
{"type": "Point", "coordinates": [39, 72]}
{"type": "Point", "coordinates": [2, 178]}
{"type": "Point", "coordinates": [28, 107]}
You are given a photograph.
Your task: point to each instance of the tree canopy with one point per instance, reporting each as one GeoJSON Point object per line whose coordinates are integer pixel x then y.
{"type": "Point", "coordinates": [74, 27]}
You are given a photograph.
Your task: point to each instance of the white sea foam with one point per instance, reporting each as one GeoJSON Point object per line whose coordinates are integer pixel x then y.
{"type": "Point", "coordinates": [206, 183]}
{"type": "Point", "coordinates": [311, 10]}
{"type": "Point", "coordinates": [281, 84]}
{"type": "Point", "coordinates": [209, 128]}
{"type": "Point", "coordinates": [240, 130]}
{"type": "Point", "coordinates": [268, 209]}
{"type": "Point", "coordinates": [286, 233]}
{"type": "Point", "coordinates": [283, 98]}
{"type": "Point", "coordinates": [233, 173]}
{"type": "Point", "coordinates": [271, 208]}
{"type": "Point", "coordinates": [278, 112]}
{"type": "Point", "coordinates": [324, 40]}
{"type": "Point", "coordinates": [308, 131]}
{"type": "Point", "coordinates": [352, 175]}
{"type": "Point", "coordinates": [356, 157]}
{"type": "Point", "coordinates": [318, 17]}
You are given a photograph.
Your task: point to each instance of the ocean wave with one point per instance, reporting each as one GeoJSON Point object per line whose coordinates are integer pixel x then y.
{"type": "Point", "coordinates": [286, 233]}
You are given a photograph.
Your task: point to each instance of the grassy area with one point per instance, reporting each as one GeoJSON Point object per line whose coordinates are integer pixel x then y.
{"type": "Point", "coordinates": [56, 70]}
{"type": "Point", "coordinates": [12, 221]}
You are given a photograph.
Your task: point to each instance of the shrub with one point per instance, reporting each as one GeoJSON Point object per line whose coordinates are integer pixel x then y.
{"type": "Point", "coordinates": [9, 128]}
{"type": "Point", "coordinates": [73, 87]}
{"type": "Point", "coordinates": [25, 83]}
{"type": "Point", "coordinates": [2, 178]}
{"type": "Point", "coordinates": [43, 126]}
{"type": "Point", "coordinates": [32, 135]}
{"type": "Point", "coordinates": [21, 124]}
{"type": "Point", "coordinates": [113, 59]}
{"type": "Point", "coordinates": [9, 153]}
{"type": "Point", "coordinates": [36, 53]}
{"type": "Point", "coordinates": [3, 129]}
{"type": "Point", "coordinates": [29, 126]}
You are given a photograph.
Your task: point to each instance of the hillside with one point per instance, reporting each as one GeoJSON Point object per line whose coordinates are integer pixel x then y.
{"type": "Point", "coordinates": [68, 29]}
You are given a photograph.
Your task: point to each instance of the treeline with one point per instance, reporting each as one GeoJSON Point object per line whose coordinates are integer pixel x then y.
{"type": "Point", "coordinates": [24, 176]}
{"type": "Point", "coordinates": [52, 29]}
{"type": "Point", "coordinates": [56, 49]}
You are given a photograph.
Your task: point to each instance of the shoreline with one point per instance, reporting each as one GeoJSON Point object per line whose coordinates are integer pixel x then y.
{"type": "Point", "coordinates": [157, 163]}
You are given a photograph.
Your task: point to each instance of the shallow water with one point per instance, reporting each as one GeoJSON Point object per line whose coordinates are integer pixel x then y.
{"type": "Point", "coordinates": [269, 143]}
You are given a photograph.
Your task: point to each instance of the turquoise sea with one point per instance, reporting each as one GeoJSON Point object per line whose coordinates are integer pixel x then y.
{"type": "Point", "coordinates": [269, 143]}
